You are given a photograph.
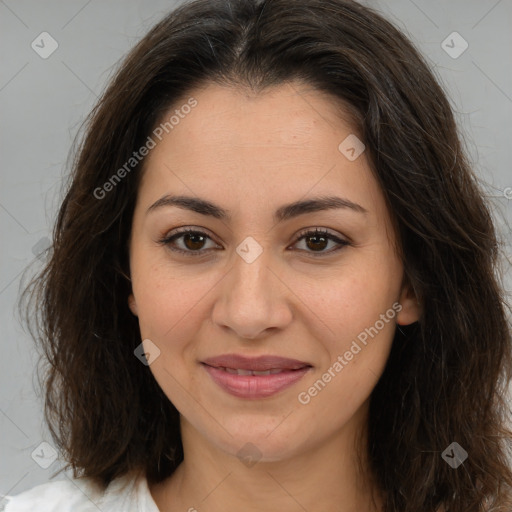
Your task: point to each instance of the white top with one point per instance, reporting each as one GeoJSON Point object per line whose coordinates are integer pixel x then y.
{"type": "Point", "coordinates": [127, 493]}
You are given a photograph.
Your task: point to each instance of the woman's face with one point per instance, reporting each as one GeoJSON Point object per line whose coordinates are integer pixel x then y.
{"type": "Point", "coordinates": [257, 171]}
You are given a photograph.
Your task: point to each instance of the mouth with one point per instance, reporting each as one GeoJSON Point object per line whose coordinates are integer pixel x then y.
{"type": "Point", "coordinates": [240, 371]}
{"type": "Point", "coordinates": [256, 377]}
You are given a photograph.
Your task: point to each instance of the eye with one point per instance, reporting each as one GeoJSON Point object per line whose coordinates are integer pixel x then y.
{"type": "Point", "coordinates": [319, 239]}
{"type": "Point", "coordinates": [193, 241]}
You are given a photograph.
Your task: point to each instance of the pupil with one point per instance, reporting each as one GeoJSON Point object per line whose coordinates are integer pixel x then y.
{"type": "Point", "coordinates": [317, 237]}
{"type": "Point", "coordinates": [190, 236]}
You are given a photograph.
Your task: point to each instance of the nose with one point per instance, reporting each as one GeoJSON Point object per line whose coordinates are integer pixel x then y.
{"type": "Point", "coordinates": [253, 300]}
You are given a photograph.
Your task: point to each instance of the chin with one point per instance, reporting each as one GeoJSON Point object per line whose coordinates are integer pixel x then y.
{"type": "Point", "coordinates": [268, 441]}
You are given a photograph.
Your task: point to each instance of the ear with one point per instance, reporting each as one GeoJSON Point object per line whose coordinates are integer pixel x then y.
{"type": "Point", "coordinates": [411, 309]}
{"type": "Point", "coordinates": [132, 304]}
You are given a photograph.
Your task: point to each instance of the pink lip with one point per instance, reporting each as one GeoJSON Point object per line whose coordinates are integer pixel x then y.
{"type": "Point", "coordinates": [260, 363]}
{"type": "Point", "coordinates": [255, 386]}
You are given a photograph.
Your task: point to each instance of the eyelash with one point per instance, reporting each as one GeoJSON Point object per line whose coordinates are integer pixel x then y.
{"type": "Point", "coordinates": [167, 241]}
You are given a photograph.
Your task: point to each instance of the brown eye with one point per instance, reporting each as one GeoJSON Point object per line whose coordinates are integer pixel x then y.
{"type": "Point", "coordinates": [191, 242]}
{"type": "Point", "coordinates": [318, 240]}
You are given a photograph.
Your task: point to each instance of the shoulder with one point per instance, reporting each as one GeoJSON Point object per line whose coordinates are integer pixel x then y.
{"type": "Point", "coordinates": [128, 493]}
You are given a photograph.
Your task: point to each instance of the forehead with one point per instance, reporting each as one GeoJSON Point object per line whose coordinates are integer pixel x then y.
{"type": "Point", "coordinates": [289, 115]}
{"type": "Point", "coordinates": [235, 144]}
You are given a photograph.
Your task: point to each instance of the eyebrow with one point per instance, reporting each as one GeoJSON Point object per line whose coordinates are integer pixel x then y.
{"type": "Point", "coordinates": [285, 212]}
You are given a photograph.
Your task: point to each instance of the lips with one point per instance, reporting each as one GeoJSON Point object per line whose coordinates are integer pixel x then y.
{"type": "Point", "coordinates": [240, 371]}
{"type": "Point", "coordinates": [255, 364]}
{"type": "Point", "coordinates": [254, 377]}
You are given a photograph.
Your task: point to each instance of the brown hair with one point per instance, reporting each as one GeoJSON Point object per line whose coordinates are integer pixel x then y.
{"type": "Point", "coordinates": [447, 374]}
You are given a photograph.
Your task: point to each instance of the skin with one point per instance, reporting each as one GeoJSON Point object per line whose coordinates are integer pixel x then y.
{"type": "Point", "coordinates": [251, 154]}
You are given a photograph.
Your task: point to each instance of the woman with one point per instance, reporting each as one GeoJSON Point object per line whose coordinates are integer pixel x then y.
{"type": "Point", "coordinates": [273, 279]}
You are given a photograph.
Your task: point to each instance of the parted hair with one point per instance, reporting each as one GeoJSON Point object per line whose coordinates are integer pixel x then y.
{"type": "Point", "coordinates": [447, 375]}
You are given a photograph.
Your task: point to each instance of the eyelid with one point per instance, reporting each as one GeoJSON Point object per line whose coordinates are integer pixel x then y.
{"type": "Point", "coordinates": [166, 240]}
{"type": "Point", "coordinates": [176, 233]}
{"type": "Point", "coordinates": [322, 231]}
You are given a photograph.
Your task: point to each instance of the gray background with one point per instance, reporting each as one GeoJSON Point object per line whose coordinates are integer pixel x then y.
{"type": "Point", "coordinates": [43, 102]}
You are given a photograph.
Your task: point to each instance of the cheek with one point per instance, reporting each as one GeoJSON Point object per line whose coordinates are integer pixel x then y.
{"type": "Point", "coordinates": [357, 346]}
{"type": "Point", "coordinates": [169, 301]}
{"type": "Point", "coordinates": [165, 309]}
{"type": "Point", "coordinates": [354, 296]}
{"type": "Point", "coordinates": [355, 317]}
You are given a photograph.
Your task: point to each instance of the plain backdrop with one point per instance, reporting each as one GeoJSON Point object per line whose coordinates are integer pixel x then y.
{"type": "Point", "coordinates": [44, 100]}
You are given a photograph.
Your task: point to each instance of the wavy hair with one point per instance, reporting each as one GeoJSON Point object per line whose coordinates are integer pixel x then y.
{"type": "Point", "coordinates": [447, 374]}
